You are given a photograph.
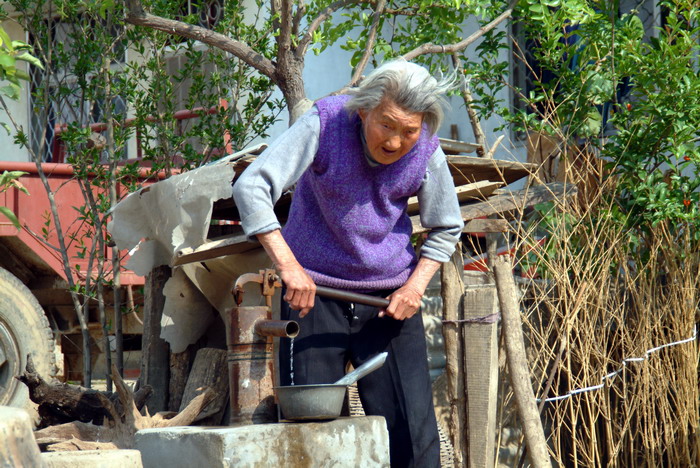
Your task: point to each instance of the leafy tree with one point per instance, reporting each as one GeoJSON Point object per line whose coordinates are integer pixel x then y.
{"type": "Point", "coordinates": [629, 97]}
{"type": "Point", "coordinates": [376, 30]}
{"type": "Point", "coordinates": [101, 103]}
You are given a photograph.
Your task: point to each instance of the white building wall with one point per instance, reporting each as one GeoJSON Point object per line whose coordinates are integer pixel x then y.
{"type": "Point", "coordinates": [19, 110]}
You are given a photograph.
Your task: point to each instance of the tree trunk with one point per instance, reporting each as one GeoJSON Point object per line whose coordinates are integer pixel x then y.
{"type": "Point", "coordinates": [291, 83]}
{"type": "Point", "coordinates": [118, 433]}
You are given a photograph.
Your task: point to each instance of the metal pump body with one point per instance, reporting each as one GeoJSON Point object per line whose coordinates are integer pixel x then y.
{"type": "Point", "coordinates": [250, 356]}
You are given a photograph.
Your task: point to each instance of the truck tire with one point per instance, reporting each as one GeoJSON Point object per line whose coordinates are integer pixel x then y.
{"type": "Point", "coordinates": [24, 330]}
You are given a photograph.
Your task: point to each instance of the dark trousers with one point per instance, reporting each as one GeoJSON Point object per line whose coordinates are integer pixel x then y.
{"type": "Point", "coordinates": [335, 332]}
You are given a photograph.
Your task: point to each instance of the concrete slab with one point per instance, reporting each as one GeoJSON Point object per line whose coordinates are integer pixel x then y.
{"type": "Point", "coordinates": [344, 442]}
{"type": "Point", "coordinates": [93, 459]}
{"type": "Point", "coordinates": [17, 444]}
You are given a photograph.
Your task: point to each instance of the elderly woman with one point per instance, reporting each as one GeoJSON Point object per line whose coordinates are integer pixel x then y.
{"type": "Point", "coordinates": [356, 159]}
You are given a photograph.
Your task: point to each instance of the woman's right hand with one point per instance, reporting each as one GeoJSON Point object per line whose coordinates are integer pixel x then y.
{"type": "Point", "coordinates": [301, 289]}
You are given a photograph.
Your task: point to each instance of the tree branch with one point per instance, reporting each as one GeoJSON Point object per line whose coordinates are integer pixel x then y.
{"type": "Point", "coordinates": [284, 41]}
{"type": "Point", "coordinates": [468, 103]}
{"type": "Point", "coordinates": [430, 48]}
{"type": "Point", "coordinates": [298, 16]}
{"type": "Point", "coordinates": [137, 16]}
{"type": "Point", "coordinates": [404, 11]}
{"type": "Point", "coordinates": [318, 21]}
{"type": "Point", "coordinates": [369, 47]}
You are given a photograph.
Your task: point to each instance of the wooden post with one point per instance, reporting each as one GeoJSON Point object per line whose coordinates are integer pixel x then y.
{"type": "Point", "coordinates": [451, 292]}
{"type": "Point", "coordinates": [155, 358]}
{"type": "Point", "coordinates": [517, 365]}
{"type": "Point", "coordinates": [209, 369]}
{"type": "Point", "coordinates": [179, 371]}
{"type": "Point", "coordinates": [481, 366]}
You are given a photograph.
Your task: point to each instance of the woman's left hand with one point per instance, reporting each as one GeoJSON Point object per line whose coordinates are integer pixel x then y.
{"type": "Point", "coordinates": [405, 302]}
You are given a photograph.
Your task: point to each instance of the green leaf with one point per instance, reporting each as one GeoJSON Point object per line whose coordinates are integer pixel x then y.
{"type": "Point", "coordinates": [27, 57]}
{"type": "Point", "coordinates": [7, 61]}
{"type": "Point", "coordinates": [592, 123]}
{"type": "Point", "coordinates": [11, 216]}
{"type": "Point", "coordinates": [106, 5]}
{"type": "Point", "coordinates": [5, 40]}
{"type": "Point", "coordinates": [21, 45]}
{"type": "Point", "coordinates": [12, 91]}
{"type": "Point", "coordinates": [22, 75]}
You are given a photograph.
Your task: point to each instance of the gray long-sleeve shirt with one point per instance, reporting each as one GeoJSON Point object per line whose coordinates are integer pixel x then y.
{"type": "Point", "coordinates": [280, 166]}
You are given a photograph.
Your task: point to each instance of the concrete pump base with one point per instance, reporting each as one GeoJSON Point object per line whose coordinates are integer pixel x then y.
{"type": "Point", "coordinates": [345, 442]}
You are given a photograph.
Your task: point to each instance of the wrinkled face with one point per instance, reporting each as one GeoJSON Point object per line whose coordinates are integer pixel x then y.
{"type": "Point", "coordinates": [390, 131]}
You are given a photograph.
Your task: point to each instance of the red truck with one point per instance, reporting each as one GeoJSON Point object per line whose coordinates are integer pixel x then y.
{"type": "Point", "coordinates": [37, 316]}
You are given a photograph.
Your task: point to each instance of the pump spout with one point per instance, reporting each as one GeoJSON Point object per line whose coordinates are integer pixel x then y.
{"type": "Point", "coordinates": [280, 328]}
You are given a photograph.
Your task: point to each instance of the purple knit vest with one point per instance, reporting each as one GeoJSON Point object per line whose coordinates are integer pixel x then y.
{"type": "Point", "coordinates": [347, 224]}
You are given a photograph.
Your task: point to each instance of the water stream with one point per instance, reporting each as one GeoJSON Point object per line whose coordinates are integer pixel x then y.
{"type": "Point", "coordinates": [291, 360]}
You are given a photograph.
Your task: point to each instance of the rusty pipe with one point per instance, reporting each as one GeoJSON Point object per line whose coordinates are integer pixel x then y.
{"type": "Point", "coordinates": [348, 296]}
{"type": "Point", "coordinates": [283, 328]}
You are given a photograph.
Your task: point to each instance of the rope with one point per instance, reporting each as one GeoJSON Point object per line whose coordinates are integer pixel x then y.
{"type": "Point", "coordinates": [491, 318]}
{"type": "Point", "coordinates": [647, 353]}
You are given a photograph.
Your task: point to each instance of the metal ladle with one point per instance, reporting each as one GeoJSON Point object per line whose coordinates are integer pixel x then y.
{"type": "Point", "coordinates": [370, 366]}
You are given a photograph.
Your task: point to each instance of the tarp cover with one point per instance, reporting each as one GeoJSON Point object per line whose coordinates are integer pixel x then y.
{"type": "Point", "coordinates": [158, 220]}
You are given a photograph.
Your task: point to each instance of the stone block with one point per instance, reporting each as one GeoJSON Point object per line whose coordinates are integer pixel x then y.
{"type": "Point", "coordinates": [93, 459]}
{"type": "Point", "coordinates": [17, 444]}
{"type": "Point", "coordinates": [344, 442]}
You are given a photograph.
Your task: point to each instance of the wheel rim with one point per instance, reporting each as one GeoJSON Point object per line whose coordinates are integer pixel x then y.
{"type": "Point", "coordinates": [9, 363]}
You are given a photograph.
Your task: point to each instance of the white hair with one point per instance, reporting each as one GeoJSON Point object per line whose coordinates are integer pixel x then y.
{"type": "Point", "coordinates": [409, 86]}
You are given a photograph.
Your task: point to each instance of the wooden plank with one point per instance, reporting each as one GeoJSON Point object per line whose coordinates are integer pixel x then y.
{"type": "Point", "coordinates": [237, 243]}
{"type": "Point", "coordinates": [509, 201]}
{"type": "Point", "coordinates": [456, 147]}
{"type": "Point", "coordinates": [465, 170]}
{"type": "Point", "coordinates": [179, 371]}
{"type": "Point", "coordinates": [476, 191]}
{"type": "Point", "coordinates": [469, 169]}
{"type": "Point", "coordinates": [209, 369]}
{"type": "Point", "coordinates": [481, 367]}
{"type": "Point", "coordinates": [486, 225]}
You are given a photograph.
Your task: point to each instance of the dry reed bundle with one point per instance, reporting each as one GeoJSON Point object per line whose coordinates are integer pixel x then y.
{"type": "Point", "coordinates": [595, 319]}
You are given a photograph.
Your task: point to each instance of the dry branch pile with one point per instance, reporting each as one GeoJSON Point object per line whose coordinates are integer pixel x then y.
{"type": "Point", "coordinates": [96, 420]}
